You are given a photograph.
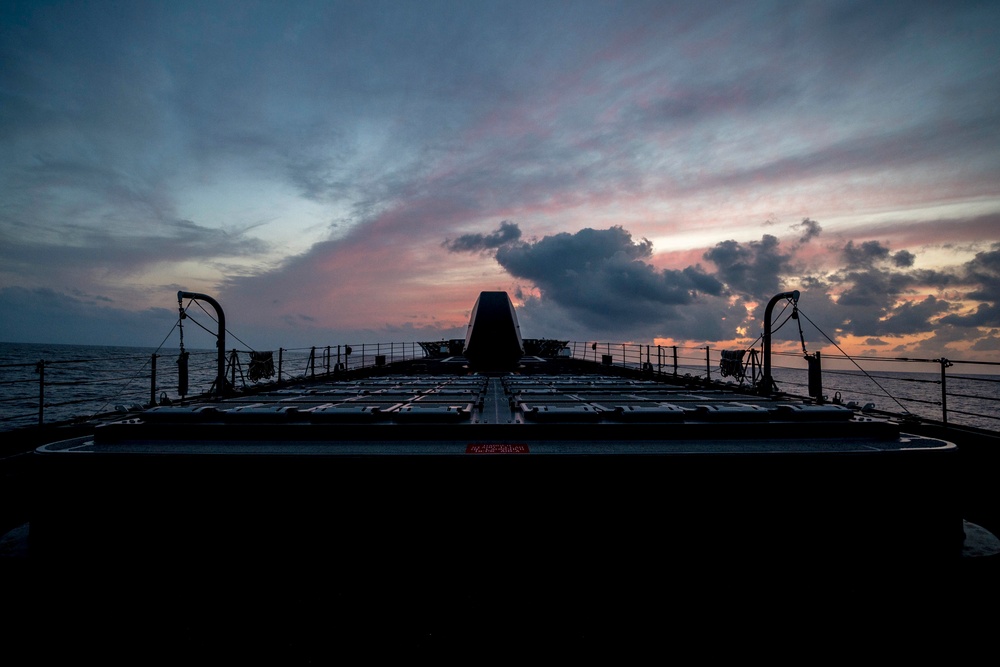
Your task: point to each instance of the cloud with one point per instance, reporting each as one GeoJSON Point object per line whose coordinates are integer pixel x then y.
{"type": "Point", "coordinates": [909, 317]}
{"type": "Point", "coordinates": [601, 275]}
{"type": "Point", "coordinates": [985, 315]}
{"type": "Point", "coordinates": [599, 279]}
{"type": "Point", "coordinates": [864, 255]}
{"type": "Point", "coordinates": [143, 147]}
{"type": "Point", "coordinates": [110, 260]}
{"type": "Point", "coordinates": [508, 232]}
{"type": "Point", "coordinates": [877, 285]}
{"type": "Point", "coordinates": [604, 277]}
{"type": "Point", "coordinates": [988, 343]}
{"type": "Point", "coordinates": [984, 269]}
{"type": "Point", "coordinates": [903, 259]}
{"type": "Point", "coordinates": [982, 274]}
{"type": "Point", "coordinates": [750, 269]}
{"type": "Point", "coordinates": [810, 229]}
{"type": "Point", "coordinates": [72, 321]}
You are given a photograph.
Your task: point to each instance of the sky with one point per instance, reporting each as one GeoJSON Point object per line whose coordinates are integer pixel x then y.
{"type": "Point", "coordinates": [358, 172]}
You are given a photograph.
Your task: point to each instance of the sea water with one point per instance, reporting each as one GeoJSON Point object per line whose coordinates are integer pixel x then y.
{"type": "Point", "coordinates": [83, 381]}
{"type": "Point", "coordinates": [972, 399]}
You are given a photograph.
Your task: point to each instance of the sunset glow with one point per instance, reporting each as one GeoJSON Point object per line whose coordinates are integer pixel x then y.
{"type": "Point", "coordinates": [639, 171]}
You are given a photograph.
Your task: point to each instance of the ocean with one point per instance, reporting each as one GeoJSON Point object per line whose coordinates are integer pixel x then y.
{"type": "Point", "coordinates": [83, 381]}
{"type": "Point", "coordinates": [972, 399]}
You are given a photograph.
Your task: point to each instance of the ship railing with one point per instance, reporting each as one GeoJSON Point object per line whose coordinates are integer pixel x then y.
{"type": "Point", "coordinates": [307, 363]}
{"type": "Point", "coordinates": [56, 390]}
{"type": "Point", "coordinates": [949, 391]}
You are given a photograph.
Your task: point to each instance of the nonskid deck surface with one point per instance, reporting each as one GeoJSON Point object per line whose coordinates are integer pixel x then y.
{"type": "Point", "coordinates": [499, 400]}
{"type": "Point", "coordinates": [554, 414]}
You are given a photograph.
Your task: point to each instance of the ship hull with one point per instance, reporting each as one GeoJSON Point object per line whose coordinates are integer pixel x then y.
{"type": "Point", "coordinates": [506, 525]}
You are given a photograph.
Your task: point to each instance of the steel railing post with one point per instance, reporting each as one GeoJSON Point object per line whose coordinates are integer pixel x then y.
{"type": "Point", "coordinates": [40, 369]}
{"type": "Point", "coordinates": [152, 379]}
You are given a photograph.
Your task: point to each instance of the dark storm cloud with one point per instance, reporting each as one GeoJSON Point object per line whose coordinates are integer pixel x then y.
{"type": "Point", "coordinates": [937, 279]}
{"type": "Point", "coordinates": [600, 279]}
{"type": "Point", "coordinates": [904, 259]}
{"type": "Point", "coordinates": [508, 232]}
{"type": "Point", "coordinates": [601, 275]}
{"type": "Point", "coordinates": [985, 315]}
{"type": "Point", "coordinates": [603, 278]}
{"type": "Point", "coordinates": [864, 255]}
{"type": "Point", "coordinates": [809, 229]}
{"type": "Point", "coordinates": [750, 269]}
{"type": "Point", "coordinates": [982, 276]}
{"type": "Point", "coordinates": [988, 343]}
{"type": "Point", "coordinates": [875, 282]}
{"type": "Point", "coordinates": [871, 287]}
{"type": "Point", "coordinates": [868, 296]}
{"type": "Point", "coordinates": [985, 270]}
{"type": "Point", "coordinates": [910, 317]}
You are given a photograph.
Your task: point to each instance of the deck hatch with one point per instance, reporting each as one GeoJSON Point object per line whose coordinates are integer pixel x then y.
{"type": "Point", "coordinates": [559, 412]}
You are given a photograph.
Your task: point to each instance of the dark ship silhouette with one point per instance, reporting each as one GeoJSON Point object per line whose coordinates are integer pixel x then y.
{"type": "Point", "coordinates": [498, 475]}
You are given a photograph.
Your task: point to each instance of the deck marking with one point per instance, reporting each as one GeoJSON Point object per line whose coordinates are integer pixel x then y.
{"type": "Point", "coordinates": [497, 448]}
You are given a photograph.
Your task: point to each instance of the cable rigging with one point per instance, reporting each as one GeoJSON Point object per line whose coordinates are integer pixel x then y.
{"type": "Point", "coordinates": [261, 364]}
{"type": "Point", "coordinates": [141, 369]}
{"type": "Point", "coordinates": [847, 356]}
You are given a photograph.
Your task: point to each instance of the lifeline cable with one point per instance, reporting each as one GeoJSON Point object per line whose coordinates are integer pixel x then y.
{"type": "Point", "coordinates": [227, 330]}
{"type": "Point", "coordinates": [901, 406]}
{"type": "Point", "coordinates": [234, 360]}
{"type": "Point", "coordinates": [134, 377]}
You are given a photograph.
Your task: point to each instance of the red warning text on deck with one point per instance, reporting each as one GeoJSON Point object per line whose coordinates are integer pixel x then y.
{"type": "Point", "coordinates": [496, 448]}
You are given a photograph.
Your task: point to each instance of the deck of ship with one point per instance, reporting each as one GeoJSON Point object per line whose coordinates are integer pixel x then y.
{"type": "Point", "coordinates": [422, 502]}
{"type": "Point", "coordinates": [553, 464]}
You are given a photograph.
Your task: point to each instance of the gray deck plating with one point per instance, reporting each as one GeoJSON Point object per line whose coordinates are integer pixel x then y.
{"type": "Point", "coordinates": [531, 414]}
